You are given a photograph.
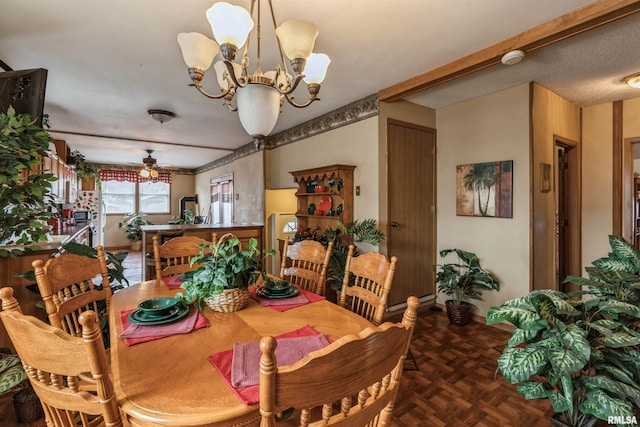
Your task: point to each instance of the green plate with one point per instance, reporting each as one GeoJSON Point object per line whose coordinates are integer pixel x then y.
{"type": "Point", "coordinates": [139, 317]}
{"type": "Point", "coordinates": [263, 292]}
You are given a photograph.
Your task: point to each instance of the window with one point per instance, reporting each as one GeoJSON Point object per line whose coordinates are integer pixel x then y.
{"type": "Point", "coordinates": [291, 226]}
{"type": "Point", "coordinates": [123, 197]}
{"type": "Point", "coordinates": [153, 197]}
{"type": "Point", "coordinates": [222, 199]}
{"type": "Point", "coordinates": [119, 196]}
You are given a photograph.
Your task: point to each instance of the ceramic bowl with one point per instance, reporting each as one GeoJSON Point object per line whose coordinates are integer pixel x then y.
{"type": "Point", "coordinates": [320, 188]}
{"type": "Point", "coordinates": [157, 306]}
{"type": "Point", "coordinates": [277, 286]}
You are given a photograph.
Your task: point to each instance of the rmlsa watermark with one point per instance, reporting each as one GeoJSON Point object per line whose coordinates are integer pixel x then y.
{"type": "Point", "coordinates": [620, 419]}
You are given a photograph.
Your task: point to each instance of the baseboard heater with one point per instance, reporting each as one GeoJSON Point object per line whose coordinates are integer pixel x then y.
{"type": "Point", "coordinates": [423, 300]}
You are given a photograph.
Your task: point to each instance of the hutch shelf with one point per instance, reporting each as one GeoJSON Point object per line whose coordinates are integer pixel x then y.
{"type": "Point", "coordinates": [325, 195]}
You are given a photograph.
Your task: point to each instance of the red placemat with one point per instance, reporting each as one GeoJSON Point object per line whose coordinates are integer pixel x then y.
{"type": "Point", "coordinates": [201, 322]}
{"type": "Point", "coordinates": [222, 362]}
{"type": "Point", "coordinates": [280, 305]}
{"type": "Point", "coordinates": [173, 282]}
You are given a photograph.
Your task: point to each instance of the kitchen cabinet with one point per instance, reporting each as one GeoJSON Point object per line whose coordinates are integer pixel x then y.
{"type": "Point", "coordinates": [65, 189]}
{"type": "Point", "coordinates": [27, 298]}
{"type": "Point", "coordinates": [325, 195]}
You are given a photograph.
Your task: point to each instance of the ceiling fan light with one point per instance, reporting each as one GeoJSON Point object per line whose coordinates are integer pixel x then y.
{"type": "Point", "coordinates": [258, 109]}
{"type": "Point", "coordinates": [230, 24]}
{"type": "Point", "coordinates": [297, 38]}
{"type": "Point", "coordinates": [144, 173]}
{"type": "Point", "coordinates": [198, 50]}
{"type": "Point", "coordinates": [153, 173]}
{"type": "Point", "coordinates": [316, 69]}
{"type": "Point", "coordinates": [633, 80]}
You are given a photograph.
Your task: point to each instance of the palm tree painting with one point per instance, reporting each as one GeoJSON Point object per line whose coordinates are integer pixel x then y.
{"type": "Point", "coordinates": [485, 189]}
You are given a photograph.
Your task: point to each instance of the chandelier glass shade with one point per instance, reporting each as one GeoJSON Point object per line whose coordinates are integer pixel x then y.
{"type": "Point", "coordinates": [258, 96]}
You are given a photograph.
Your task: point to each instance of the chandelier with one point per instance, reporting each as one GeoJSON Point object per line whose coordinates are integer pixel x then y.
{"type": "Point", "coordinates": [258, 96]}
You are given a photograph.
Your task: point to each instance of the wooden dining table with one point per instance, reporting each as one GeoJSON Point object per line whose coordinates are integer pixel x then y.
{"type": "Point", "coordinates": [170, 381]}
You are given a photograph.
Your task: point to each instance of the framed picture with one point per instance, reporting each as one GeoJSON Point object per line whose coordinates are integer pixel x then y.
{"type": "Point", "coordinates": [545, 177]}
{"type": "Point", "coordinates": [485, 189]}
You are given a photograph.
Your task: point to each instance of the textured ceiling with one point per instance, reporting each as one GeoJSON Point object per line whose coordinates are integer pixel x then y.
{"type": "Point", "coordinates": [109, 61]}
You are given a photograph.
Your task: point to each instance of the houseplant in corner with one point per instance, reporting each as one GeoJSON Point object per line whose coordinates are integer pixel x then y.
{"type": "Point", "coordinates": [460, 280]}
{"type": "Point", "coordinates": [131, 225]}
{"type": "Point", "coordinates": [580, 350]}
{"type": "Point", "coordinates": [225, 272]}
{"type": "Point", "coordinates": [24, 196]}
{"type": "Point", "coordinates": [365, 231]}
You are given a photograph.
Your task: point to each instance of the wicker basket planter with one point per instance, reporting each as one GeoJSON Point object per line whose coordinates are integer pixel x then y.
{"type": "Point", "coordinates": [229, 300]}
{"type": "Point", "coordinates": [458, 314]}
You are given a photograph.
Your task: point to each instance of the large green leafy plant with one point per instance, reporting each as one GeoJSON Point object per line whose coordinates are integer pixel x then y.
{"type": "Point", "coordinates": [12, 373]}
{"type": "Point", "coordinates": [579, 350]}
{"type": "Point", "coordinates": [225, 265]}
{"type": "Point", "coordinates": [24, 196]}
{"type": "Point", "coordinates": [84, 170]}
{"type": "Point", "coordinates": [131, 225]}
{"type": "Point", "coordinates": [464, 278]}
{"type": "Point", "coordinates": [343, 235]}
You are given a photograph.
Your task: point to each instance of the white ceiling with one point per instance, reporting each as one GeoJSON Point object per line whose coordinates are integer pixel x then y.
{"type": "Point", "coordinates": [111, 61]}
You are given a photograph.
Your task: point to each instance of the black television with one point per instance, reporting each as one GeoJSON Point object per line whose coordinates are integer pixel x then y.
{"type": "Point", "coordinates": [24, 91]}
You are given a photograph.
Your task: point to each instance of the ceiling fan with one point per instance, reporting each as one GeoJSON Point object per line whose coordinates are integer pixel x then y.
{"type": "Point", "coordinates": [150, 166]}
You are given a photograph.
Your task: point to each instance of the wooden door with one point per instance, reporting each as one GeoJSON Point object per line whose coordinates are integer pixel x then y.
{"type": "Point", "coordinates": [568, 242]}
{"type": "Point", "coordinates": [411, 211]}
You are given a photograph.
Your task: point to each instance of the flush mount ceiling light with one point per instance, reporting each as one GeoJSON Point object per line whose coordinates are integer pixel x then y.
{"type": "Point", "coordinates": [513, 57]}
{"type": "Point", "coordinates": [161, 115]}
{"type": "Point", "coordinates": [259, 95]}
{"type": "Point", "coordinates": [633, 80]}
{"type": "Point", "coordinates": [150, 166]}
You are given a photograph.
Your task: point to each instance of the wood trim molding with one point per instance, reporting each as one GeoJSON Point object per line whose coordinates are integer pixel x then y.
{"type": "Point", "coordinates": [591, 16]}
{"type": "Point", "coordinates": [618, 164]}
{"type": "Point", "coordinates": [353, 112]}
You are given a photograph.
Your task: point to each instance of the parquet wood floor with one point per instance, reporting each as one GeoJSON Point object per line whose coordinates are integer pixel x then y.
{"type": "Point", "coordinates": [455, 384]}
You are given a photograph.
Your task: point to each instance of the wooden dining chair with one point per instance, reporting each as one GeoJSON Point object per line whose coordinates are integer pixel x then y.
{"type": "Point", "coordinates": [368, 367]}
{"type": "Point", "coordinates": [174, 256]}
{"type": "Point", "coordinates": [304, 264]}
{"type": "Point", "coordinates": [69, 285]}
{"type": "Point", "coordinates": [54, 360]}
{"type": "Point", "coordinates": [366, 284]}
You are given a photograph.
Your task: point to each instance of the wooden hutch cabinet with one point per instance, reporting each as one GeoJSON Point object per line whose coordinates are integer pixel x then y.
{"type": "Point", "coordinates": [325, 195]}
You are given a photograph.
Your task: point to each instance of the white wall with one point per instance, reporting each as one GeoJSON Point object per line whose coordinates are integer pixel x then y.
{"type": "Point", "coordinates": [354, 144]}
{"type": "Point", "coordinates": [490, 128]}
{"type": "Point", "coordinates": [597, 181]}
{"type": "Point", "coordinates": [248, 188]}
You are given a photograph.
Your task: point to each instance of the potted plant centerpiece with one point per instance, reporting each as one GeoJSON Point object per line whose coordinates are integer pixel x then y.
{"type": "Point", "coordinates": [131, 225]}
{"type": "Point", "coordinates": [460, 280]}
{"type": "Point", "coordinates": [580, 350]}
{"type": "Point", "coordinates": [225, 271]}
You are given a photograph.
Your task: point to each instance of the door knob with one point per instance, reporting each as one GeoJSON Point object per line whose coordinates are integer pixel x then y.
{"type": "Point", "coordinates": [394, 224]}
